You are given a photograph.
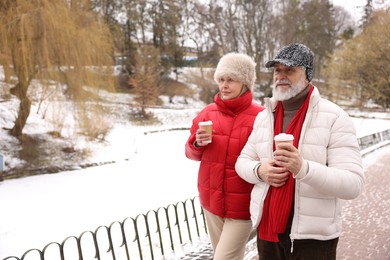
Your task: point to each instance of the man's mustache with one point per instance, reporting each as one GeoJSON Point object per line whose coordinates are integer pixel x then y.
{"type": "Point", "coordinates": [282, 82]}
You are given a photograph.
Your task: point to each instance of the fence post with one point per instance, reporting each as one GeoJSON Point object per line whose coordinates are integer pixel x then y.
{"type": "Point", "coordinates": [1, 167]}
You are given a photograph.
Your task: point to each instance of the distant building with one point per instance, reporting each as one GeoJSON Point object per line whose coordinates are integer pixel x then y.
{"type": "Point", "coordinates": [190, 54]}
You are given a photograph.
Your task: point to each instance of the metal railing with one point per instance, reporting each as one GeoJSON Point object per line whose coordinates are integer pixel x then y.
{"type": "Point", "coordinates": [159, 234]}
{"type": "Point", "coordinates": [373, 139]}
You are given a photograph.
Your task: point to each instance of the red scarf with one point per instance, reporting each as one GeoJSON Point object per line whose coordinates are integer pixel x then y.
{"type": "Point", "coordinates": [278, 202]}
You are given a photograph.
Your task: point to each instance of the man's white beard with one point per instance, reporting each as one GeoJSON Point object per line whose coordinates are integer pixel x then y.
{"type": "Point", "coordinates": [291, 92]}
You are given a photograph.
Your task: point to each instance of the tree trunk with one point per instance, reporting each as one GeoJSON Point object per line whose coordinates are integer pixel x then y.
{"type": "Point", "coordinates": [20, 91]}
{"type": "Point", "coordinates": [5, 61]}
{"type": "Point", "coordinates": [24, 112]}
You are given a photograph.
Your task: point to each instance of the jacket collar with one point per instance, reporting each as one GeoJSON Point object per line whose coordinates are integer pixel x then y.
{"type": "Point", "coordinates": [234, 106]}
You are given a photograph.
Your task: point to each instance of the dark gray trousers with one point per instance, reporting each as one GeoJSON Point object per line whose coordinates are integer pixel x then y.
{"type": "Point", "coordinates": [303, 249]}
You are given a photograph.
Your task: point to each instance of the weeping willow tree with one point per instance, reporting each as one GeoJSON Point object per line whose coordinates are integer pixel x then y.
{"type": "Point", "coordinates": [55, 41]}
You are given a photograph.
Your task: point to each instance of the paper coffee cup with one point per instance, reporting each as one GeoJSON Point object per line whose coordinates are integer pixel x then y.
{"type": "Point", "coordinates": [282, 137]}
{"type": "Point", "coordinates": [208, 126]}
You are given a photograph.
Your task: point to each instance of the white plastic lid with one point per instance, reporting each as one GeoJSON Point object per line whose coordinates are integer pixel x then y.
{"type": "Point", "coordinates": [206, 123]}
{"type": "Point", "coordinates": [283, 137]}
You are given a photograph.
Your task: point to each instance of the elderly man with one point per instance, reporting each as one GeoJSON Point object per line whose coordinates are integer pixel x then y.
{"type": "Point", "coordinates": [299, 187]}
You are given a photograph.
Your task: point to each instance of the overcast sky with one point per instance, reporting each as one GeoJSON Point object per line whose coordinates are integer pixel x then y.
{"type": "Point", "coordinates": [355, 7]}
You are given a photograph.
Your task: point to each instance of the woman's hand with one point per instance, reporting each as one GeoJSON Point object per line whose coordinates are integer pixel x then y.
{"type": "Point", "coordinates": [201, 138]}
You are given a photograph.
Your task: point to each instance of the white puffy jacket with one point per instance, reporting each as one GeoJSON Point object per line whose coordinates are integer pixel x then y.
{"type": "Point", "coordinates": [328, 143]}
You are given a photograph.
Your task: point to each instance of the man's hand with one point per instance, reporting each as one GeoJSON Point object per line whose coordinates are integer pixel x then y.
{"type": "Point", "coordinates": [273, 174]}
{"type": "Point", "coordinates": [286, 155]}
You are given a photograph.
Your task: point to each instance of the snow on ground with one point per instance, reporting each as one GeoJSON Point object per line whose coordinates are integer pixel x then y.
{"type": "Point", "coordinates": [40, 209]}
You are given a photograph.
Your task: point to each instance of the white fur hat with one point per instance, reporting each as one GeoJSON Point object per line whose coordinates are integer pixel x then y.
{"type": "Point", "coordinates": [237, 66]}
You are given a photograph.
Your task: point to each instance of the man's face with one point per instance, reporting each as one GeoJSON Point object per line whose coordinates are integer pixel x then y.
{"type": "Point", "coordinates": [288, 81]}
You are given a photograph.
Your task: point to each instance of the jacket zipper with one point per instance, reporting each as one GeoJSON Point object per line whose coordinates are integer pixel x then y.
{"type": "Point", "coordinates": [304, 128]}
{"type": "Point", "coordinates": [292, 245]}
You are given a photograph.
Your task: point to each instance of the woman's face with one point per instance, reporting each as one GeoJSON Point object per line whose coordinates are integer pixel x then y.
{"type": "Point", "coordinates": [229, 88]}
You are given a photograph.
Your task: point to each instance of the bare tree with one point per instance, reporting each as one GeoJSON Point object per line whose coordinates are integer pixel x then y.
{"type": "Point", "coordinates": [287, 21]}
{"type": "Point", "coordinates": [147, 75]}
{"type": "Point", "coordinates": [319, 24]}
{"type": "Point", "coordinates": [254, 24]}
{"type": "Point", "coordinates": [345, 27]}
{"type": "Point", "coordinates": [311, 23]}
{"type": "Point", "coordinates": [212, 21]}
{"type": "Point", "coordinates": [111, 12]}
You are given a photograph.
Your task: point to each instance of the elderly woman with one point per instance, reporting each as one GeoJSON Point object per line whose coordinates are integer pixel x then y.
{"type": "Point", "coordinates": [224, 196]}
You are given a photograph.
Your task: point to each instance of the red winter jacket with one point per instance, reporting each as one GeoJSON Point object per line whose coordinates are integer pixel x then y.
{"type": "Point", "coordinates": [221, 191]}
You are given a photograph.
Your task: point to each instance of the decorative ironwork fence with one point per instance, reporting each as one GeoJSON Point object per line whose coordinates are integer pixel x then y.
{"type": "Point", "coordinates": [166, 233]}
